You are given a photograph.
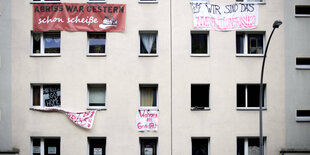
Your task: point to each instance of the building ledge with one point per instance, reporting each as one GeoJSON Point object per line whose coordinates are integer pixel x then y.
{"type": "Point", "coordinates": [294, 150]}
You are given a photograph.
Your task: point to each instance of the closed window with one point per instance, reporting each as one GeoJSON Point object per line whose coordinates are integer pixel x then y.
{"type": "Point", "coordinates": [96, 43]}
{"type": "Point", "coordinates": [302, 10]}
{"type": "Point", "coordinates": [248, 96]}
{"type": "Point", "coordinates": [45, 43]}
{"type": "Point", "coordinates": [96, 146]}
{"type": "Point", "coordinates": [96, 96]}
{"type": "Point", "coordinates": [148, 146]}
{"type": "Point", "coordinates": [249, 44]}
{"type": "Point", "coordinates": [200, 146]}
{"type": "Point", "coordinates": [248, 146]}
{"type": "Point", "coordinates": [148, 96]}
{"type": "Point", "coordinates": [45, 146]}
{"type": "Point", "coordinates": [303, 115]}
{"type": "Point", "coordinates": [148, 43]}
{"type": "Point", "coordinates": [200, 96]}
{"type": "Point", "coordinates": [47, 95]}
{"type": "Point", "coordinates": [199, 42]}
{"type": "Point", "coordinates": [303, 63]}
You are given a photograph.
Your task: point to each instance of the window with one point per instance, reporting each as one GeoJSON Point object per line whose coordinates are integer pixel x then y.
{"type": "Point", "coordinates": [148, 43]}
{"type": "Point", "coordinates": [200, 146]}
{"type": "Point", "coordinates": [46, 43]}
{"type": "Point", "coordinates": [303, 115]}
{"type": "Point", "coordinates": [96, 145]}
{"type": "Point", "coordinates": [46, 95]}
{"type": "Point", "coordinates": [199, 43]}
{"type": "Point", "coordinates": [249, 44]}
{"type": "Point", "coordinates": [251, 1]}
{"type": "Point", "coordinates": [303, 63]}
{"type": "Point", "coordinates": [96, 96]}
{"type": "Point", "coordinates": [47, 1]}
{"type": "Point", "coordinates": [97, 1]}
{"type": "Point", "coordinates": [96, 43]}
{"type": "Point", "coordinates": [248, 146]}
{"type": "Point", "coordinates": [248, 96]}
{"type": "Point", "coordinates": [148, 146]}
{"type": "Point", "coordinates": [148, 1]}
{"type": "Point", "coordinates": [45, 146]}
{"type": "Point", "coordinates": [148, 96]}
{"type": "Point", "coordinates": [200, 96]}
{"type": "Point", "coordinates": [302, 10]}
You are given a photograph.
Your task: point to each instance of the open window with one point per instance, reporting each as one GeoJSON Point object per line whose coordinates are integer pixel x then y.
{"type": "Point", "coordinates": [200, 146]}
{"type": "Point", "coordinates": [148, 146]}
{"type": "Point", "coordinates": [46, 95]}
{"type": "Point", "coordinates": [96, 146]}
{"type": "Point", "coordinates": [200, 96]}
{"type": "Point", "coordinates": [45, 146]}
{"type": "Point", "coordinates": [248, 96]}
{"type": "Point", "coordinates": [45, 43]}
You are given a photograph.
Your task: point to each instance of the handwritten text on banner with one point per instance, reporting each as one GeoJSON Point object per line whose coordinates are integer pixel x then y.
{"type": "Point", "coordinates": [147, 120]}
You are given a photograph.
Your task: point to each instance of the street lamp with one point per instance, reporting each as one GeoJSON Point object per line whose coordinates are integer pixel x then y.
{"type": "Point", "coordinates": [275, 25]}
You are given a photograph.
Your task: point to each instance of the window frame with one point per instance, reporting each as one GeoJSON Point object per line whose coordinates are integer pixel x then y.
{"type": "Point", "coordinates": [149, 107]}
{"type": "Point", "coordinates": [302, 15]}
{"type": "Point", "coordinates": [246, 107]}
{"type": "Point", "coordinates": [41, 95]}
{"type": "Point", "coordinates": [201, 108]}
{"type": "Point", "coordinates": [42, 45]}
{"type": "Point", "coordinates": [42, 144]}
{"type": "Point", "coordinates": [148, 32]}
{"type": "Point", "coordinates": [148, 1]}
{"type": "Point", "coordinates": [148, 138]}
{"type": "Point", "coordinates": [259, 3]}
{"type": "Point", "coordinates": [88, 44]}
{"type": "Point", "coordinates": [302, 118]}
{"type": "Point", "coordinates": [245, 43]}
{"type": "Point", "coordinates": [208, 44]}
{"type": "Point", "coordinates": [45, 1]}
{"type": "Point", "coordinates": [96, 1]}
{"type": "Point", "coordinates": [194, 138]}
{"type": "Point", "coordinates": [246, 144]}
{"type": "Point", "coordinates": [105, 97]}
{"type": "Point", "coordinates": [101, 138]}
{"type": "Point", "coordinates": [303, 66]}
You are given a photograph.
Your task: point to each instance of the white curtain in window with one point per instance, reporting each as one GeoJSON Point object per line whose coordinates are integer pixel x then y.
{"type": "Point", "coordinates": [148, 40]}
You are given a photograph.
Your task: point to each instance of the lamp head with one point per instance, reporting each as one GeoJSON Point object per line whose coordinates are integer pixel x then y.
{"type": "Point", "coordinates": [277, 23]}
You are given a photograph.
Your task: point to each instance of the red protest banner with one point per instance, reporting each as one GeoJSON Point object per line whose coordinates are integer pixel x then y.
{"type": "Point", "coordinates": [79, 17]}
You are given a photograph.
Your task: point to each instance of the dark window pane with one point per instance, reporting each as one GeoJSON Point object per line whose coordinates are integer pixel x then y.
{"type": "Point", "coordinates": [97, 42]}
{"type": "Point", "coordinates": [302, 10]}
{"type": "Point", "coordinates": [303, 113]}
{"type": "Point", "coordinates": [240, 43]}
{"type": "Point", "coordinates": [253, 146]}
{"type": "Point", "coordinates": [148, 96]}
{"type": "Point", "coordinates": [200, 96]}
{"type": "Point", "coordinates": [302, 61]}
{"type": "Point", "coordinates": [97, 146]}
{"type": "Point", "coordinates": [36, 146]}
{"type": "Point", "coordinates": [51, 95]}
{"type": "Point", "coordinates": [241, 96]}
{"type": "Point", "coordinates": [51, 42]}
{"type": "Point", "coordinates": [255, 43]}
{"type": "Point", "coordinates": [36, 43]}
{"type": "Point", "coordinates": [240, 146]}
{"type": "Point", "coordinates": [149, 42]}
{"type": "Point", "coordinates": [36, 95]}
{"type": "Point", "coordinates": [148, 146]}
{"type": "Point", "coordinates": [200, 146]}
{"type": "Point", "coordinates": [51, 146]}
{"type": "Point", "coordinates": [253, 95]}
{"type": "Point", "coordinates": [199, 43]}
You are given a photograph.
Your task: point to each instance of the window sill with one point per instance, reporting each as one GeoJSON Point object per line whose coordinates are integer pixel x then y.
{"type": "Point", "coordinates": [45, 55]}
{"type": "Point", "coordinates": [303, 67]}
{"type": "Point", "coordinates": [33, 2]}
{"type": "Point", "coordinates": [96, 108]}
{"type": "Point", "coordinates": [148, 55]}
{"type": "Point", "coordinates": [96, 1]}
{"type": "Point", "coordinates": [258, 3]}
{"type": "Point", "coordinates": [148, 2]}
{"type": "Point", "coordinates": [149, 108]}
{"type": "Point", "coordinates": [249, 55]}
{"type": "Point", "coordinates": [96, 55]}
{"type": "Point", "coordinates": [200, 55]}
{"type": "Point", "coordinates": [302, 119]}
{"type": "Point", "coordinates": [302, 16]}
{"type": "Point", "coordinates": [200, 109]}
{"type": "Point", "coordinates": [250, 109]}
{"type": "Point", "coordinates": [42, 108]}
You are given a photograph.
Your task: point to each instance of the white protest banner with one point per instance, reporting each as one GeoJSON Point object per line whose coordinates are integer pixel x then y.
{"type": "Point", "coordinates": [147, 120]}
{"type": "Point", "coordinates": [225, 17]}
{"type": "Point", "coordinates": [83, 119]}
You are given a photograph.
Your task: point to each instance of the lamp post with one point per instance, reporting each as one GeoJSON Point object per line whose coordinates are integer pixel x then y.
{"type": "Point", "coordinates": [275, 25]}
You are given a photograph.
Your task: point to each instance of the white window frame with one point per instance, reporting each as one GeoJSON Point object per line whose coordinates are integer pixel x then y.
{"type": "Point", "coordinates": [246, 98]}
{"type": "Point", "coordinates": [305, 67]}
{"type": "Point", "coordinates": [142, 138]}
{"type": "Point", "coordinates": [200, 138]}
{"type": "Point", "coordinates": [208, 44]}
{"type": "Point", "coordinates": [151, 54]}
{"type": "Point", "coordinates": [45, 1]}
{"type": "Point", "coordinates": [301, 15]}
{"type": "Point", "coordinates": [246, 144]}
{"type": "Point", "coordinates": [97, 54]}
{"type": "Point", "coordinates": [96, 1]}
{"type": "Point", "coordinates": [88, 145]}
{"type": "Point", "coordinates": [42, 143]}
{"type": "Point", "coordinates": [246, 1]}
{"type": "Point", "coordinates": [42, 48]}
{"type": "Point", "coordinates": [97, 107]}
{"type": "Point", "coordinates": [302, 118]}
{"type": "Point", "coordinates": [245, 43]}
{"type": "Point", "coordinates": [148, 1]}
{"type": "Point", "coordinates": [151, 107]}
{"type": "Point", "coordinates": [41, 95]}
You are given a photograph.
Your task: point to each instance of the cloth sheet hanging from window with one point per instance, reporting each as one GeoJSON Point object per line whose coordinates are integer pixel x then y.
{"type": "Point", "coordinates": [148, 40]}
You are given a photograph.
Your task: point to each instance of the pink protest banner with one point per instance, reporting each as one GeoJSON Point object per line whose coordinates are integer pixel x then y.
{"type": "Point", "coordinates": [237, 16]}
{"type": "Point", "coordinates": [83, 119]}
{"type": "Point", "coordinates": [79, 17]}
{"type": "Point", "coordinates": [147, 120]}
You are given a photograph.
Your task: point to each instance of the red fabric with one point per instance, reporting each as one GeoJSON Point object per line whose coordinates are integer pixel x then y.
{"type": "Point", "coordinates": [79, 17]}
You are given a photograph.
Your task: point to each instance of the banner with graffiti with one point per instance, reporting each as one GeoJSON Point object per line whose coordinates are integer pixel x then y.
{"type": "Point", "coordinates": [225, 17]}
{"type": "Point", "coordinates": [83, 119]}
{"type": "Point", "coordinates": [147, 120]}
{"type": "Point", "coordinates": [79, 17]}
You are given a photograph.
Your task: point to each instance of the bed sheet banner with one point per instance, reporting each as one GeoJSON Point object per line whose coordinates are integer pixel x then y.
{"type": "Point", "coordinates": [79, 17]}
{"type": "Point", "coordinates": [83, 119]}
{"type": "Point", "coordinates": [147, 120]}
{"type": "Point", "coordinates": [225, 17]}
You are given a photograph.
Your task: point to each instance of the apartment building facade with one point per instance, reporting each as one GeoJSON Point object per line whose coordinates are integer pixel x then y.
{"type": "Point", "coordinates": [202, 84]}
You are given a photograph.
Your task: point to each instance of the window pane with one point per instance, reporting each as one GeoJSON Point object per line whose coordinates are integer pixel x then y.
{"type": "Point", "coordinates": [36, 43]}
{"type": "Point", "coordinates": [200, 96]}
{"type": "Point", "coordinates": [96, 95]}
{"type": "Point", "coordinates": [148, 43]}
{"type": "Point", "coordinates": [304, 10]}
{"type": "Point", "coordinates": [148, 146]}
{"type": "Point", "coordinates": [200, 146]}
{"type": "Point", "coordinates": [199, 43]}
{"type": "Point", "coordinates": [36, 148]}
{"type": "Point", "coordinates": [240, 146]}
{"type": "Point", "coordinates": [97, 42]}
{"type": "Point", "coordinates": [51, 146]}
{"type": "Point", "coordinates": [36, 95]}
{"type": "Point", "coordinates": [240, 43]}
{"type": "Point", "coordinates": [302, 61]}
{"type": "Point", "coordinates": [52, 42]}
{"type": "Point", "coordinates": [253, 95]}
{"type": "Point", "coordinates": [51, 95]}
{"type": "Point", "coordinates": [97, 146]}
{"type": "Point", "coordinates": [148, 96]}
{"type": "Point", "coordinates": [241, 96]}
{"type": "Point", "coordinates": [253, 148]}
{"type": "Point", "coordinates": [303, 113]}
{"type": "Point", "coordinates": [255, 43]}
